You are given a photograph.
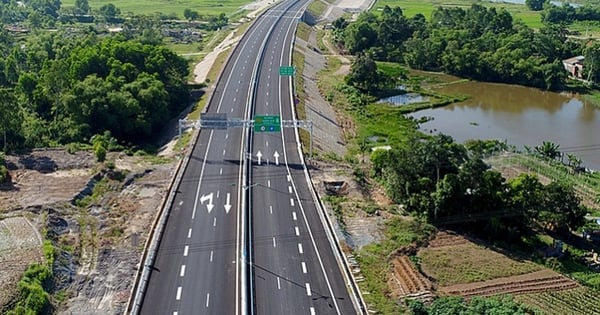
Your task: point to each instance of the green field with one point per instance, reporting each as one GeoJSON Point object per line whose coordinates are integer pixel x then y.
{"type": "Point", "coordinates": [412, 7]}
{"type": "Point", "coordinates": [149, 7]}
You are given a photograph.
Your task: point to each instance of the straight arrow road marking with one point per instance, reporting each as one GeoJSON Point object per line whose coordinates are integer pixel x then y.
{"type": "Point", "coordinates": [208, 198]}
{"type": "Point", "coordinates": [228, 203]}
{"type": "Point", "coordinates": [276, 156]}
{"type": "Point", "coordinates": [259, 156]}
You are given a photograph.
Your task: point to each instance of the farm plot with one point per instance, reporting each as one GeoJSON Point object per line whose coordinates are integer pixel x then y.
{"type": "Point", "coordinates": [469, 262]}
{"type": "Point", "coordinates": [539, 281]}
{"type": "Point", "coordinates": [407, 282]}
{"type": "Point", "coordinates": [447, 238]}
{"type": "Point", "coordinates": [577, 301]}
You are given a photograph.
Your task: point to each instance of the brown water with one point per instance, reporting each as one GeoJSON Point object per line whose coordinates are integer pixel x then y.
{"type": "Point", "coordinates": [520, 115]}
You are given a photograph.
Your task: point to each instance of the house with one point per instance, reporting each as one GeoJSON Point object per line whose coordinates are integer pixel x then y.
{"type": "Point", "coordinates": [575, 66]}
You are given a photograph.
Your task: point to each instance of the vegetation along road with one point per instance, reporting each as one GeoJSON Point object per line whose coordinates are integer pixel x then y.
{"type": "Point", "coordinates": [91, 94]}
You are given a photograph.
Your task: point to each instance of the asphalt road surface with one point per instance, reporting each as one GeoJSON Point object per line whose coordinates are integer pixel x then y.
{"type": "Point", "coordinates": [202, 262]}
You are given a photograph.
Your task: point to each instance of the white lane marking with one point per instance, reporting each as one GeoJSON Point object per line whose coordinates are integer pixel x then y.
{"type": "Point", "coordinates": [185, 250]}
{"type": "Point", "coordinates": [312, 311]}
{"type": "Point", "coordinates": [215, 222]}
{"type": "Point", "coordinates": [274, 244]}
{"type": "Point", "coordinates": [221, 171]}
{"type": "Point", "coordinates": [267, 84]}
{"type": "Point", "coordinates": [181, 202]}
{"type": "Point", "coordinates": [308, 292]}
{"type": "Point", "coordinates": [190, 233]}
{"type": "Point", "coordinates": [235, 99]}
{"type": "Point", "coordinates": [278, 283]}
{"type": "Point", "coordinates": [227, 135]}
{"type": "Point", "coordinates": [211, 256]}
{"type": "Point", "coordinates": [194, 213]}
{"type": "Point", "coordinates": [182, 271]}
{"type": "Point", "coordinates": [268, 183]}
{"type": "Point", "coordinates": [300, 250]}
{"type": "Point", "coordinates": [267, 143]}
{"type": "Point", "coordinates": [218, 193]}
{"type": "Point", "coordinates": [292, 201]}
{"type": "Point", "coordinates": [175, 313]}
{"type": "Point", "coordinates": [289, 178]}
{"type": "Point", "coordinates": [207, 299]}
{"type": "Point", "coordinates": [178, 297]}
{"type": "Point", "coordinates": [231, 111]}
{"type": "Point", "coordinates": [271, 209]}
{"type": "Point", "coordinates": [304, 267]}
{"type": "Point", "coordinates": [266, 103]}
{"type": "Point", "coordinates": [224, 151]}
{"type": "Point", "coordinates": [297, 231]}
{"type": "Point", "coordinates": [290, 189]}
{"type": "Point", "coordinates": [294, 216]}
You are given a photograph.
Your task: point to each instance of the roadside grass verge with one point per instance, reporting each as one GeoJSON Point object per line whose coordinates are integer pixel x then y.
{"type": "Point", "coordinates": [316, 8]}
{"type": "Point", "coordinates": [303, 31]}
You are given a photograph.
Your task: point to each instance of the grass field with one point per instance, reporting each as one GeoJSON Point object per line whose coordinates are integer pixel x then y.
{"type": "Point", "coordinates": [412, 7]}
{"type": "Point", "coordinates": [149, 7]}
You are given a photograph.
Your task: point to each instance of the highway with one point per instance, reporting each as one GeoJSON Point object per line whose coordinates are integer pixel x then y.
{"type": "Point", "coordinates": [201, 264]}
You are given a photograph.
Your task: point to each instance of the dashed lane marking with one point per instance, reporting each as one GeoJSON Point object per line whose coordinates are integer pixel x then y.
{"type": "Point", "coordinates": [304, 267]}
{"type": "Point", "coordinates": [190, 233]}
{"type": "Point", "coordinates": [297, 231]}
{"type": "Point", "coordinates": [308, 291]}
{"type": "Point", "coordinates": [178, 296]}
{"type": "Point", "coordinates": [182, 271]}
{"type": "Point", "coordinates": [185, 250]}
{"type": "Point", "coordinates": [300, 250]}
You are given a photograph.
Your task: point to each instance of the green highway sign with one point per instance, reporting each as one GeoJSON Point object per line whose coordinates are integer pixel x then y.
{"type": "Point", "coordinates": [267, 123]}
{"type": "Point", "coordinates": [287, 70]}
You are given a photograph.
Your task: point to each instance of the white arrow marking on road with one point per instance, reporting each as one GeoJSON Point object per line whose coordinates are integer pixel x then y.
{"type": "Point", "coordinates": [228, 203]}
{"type": "Point", "coordinates": [276, 155]}
{"type": "Point", "coordinates": [210, 204]}
{"type": "Point", "coordinates": [259, 156]}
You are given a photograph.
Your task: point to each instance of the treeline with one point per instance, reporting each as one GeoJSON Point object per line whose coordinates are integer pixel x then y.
{"type": "Point", "coordinates": [568, 14]}
{"type": "Point", "coordinates": [478, 43]}
{"type": "Point", "coordinates": [448, 183]}
{"type": "Point", "coordinates": [57, 89]}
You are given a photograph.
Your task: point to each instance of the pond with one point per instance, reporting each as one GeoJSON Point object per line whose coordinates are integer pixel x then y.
{"type": "Point", "coordinates": [521, 116]}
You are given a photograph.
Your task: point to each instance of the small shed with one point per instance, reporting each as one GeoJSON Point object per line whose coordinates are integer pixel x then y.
{"type": "Point", "coordinates": [574, 66]}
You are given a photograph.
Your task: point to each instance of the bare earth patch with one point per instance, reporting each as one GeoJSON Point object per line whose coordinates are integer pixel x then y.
{"type": "Point", "coordinates": [539, 281]}
{"type": "Point", "coordinates": [20, 245]}
{"type": "Point", "coordinates": [408, 282]}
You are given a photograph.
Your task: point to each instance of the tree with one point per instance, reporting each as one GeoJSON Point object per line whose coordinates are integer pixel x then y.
{"type": "Point", "coordinates": [82, 7]}
{"type": "Point", "coordinates": [10, 118]}
{"type": "Point", "coordinates": [548, 150]}
{"type": "Point", "coordinates": [109, 11]}
{"type": "Point", "coordinates": [561, 208]}
{"type": "Point", "coordinates": [365, 76]}
{"type": "Point", "coordinates": [190, 14]}
{"type": "Point", "coordinates": [535, 5]}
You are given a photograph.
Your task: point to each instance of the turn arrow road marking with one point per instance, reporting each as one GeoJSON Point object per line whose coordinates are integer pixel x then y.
{"type": "Point", "coordinates": [210, 204]}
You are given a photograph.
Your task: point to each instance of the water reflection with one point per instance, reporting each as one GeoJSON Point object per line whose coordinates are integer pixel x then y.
{"type": "Point", "coordinates": [521, 115]}
{"type": "Point", "coordinates": [404, 99]}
